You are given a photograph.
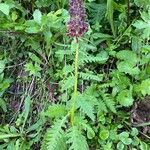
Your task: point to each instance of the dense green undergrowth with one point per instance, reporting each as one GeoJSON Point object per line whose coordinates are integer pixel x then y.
{"type": "Point", "coordinates": [37, 75]}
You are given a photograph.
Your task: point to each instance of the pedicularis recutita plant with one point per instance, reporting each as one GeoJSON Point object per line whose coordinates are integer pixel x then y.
{"type": "Point", "coordinates": [76, 28]}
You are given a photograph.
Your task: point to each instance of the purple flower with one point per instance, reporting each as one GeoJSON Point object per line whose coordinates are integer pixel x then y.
{"type": "Point", "coordinates": [77, 26]}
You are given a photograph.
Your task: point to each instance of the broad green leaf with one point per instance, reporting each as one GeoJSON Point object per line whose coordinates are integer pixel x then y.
{"type": "Point", "coordinates": [104, 134]}
{"type": "Point", "coordinates": [124, 137]}
{"type": "Point", "coordinates": [144, 146]}
{"type": "Point", "coordinates": [145, 87]}
{"type": "Point", "coordinates": [127, 55]}
{"type": "Point", "coordinates": [125, 98]}
{"type": "Point", "coordinates": [37, 16]}
{"type": "Point", "coordinates": [120, 146]}
{"type": "Point", "coordinates": [134, 132]}
{"type": "Point", "coordinates": [4, 8]}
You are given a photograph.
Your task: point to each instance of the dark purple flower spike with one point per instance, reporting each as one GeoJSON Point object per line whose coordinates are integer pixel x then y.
{"type": "Point", "coordinates": [77, 26]}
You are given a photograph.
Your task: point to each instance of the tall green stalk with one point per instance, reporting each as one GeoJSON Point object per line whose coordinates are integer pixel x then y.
{"type": "Point", "coordinates": [75, 84]}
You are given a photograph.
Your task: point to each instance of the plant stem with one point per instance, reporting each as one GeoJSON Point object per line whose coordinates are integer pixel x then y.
{"type": "Point", "coordinates": [75, 84]}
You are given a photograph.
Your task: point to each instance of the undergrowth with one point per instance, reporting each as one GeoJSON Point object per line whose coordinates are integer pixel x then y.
{"type": "Point", "coordinates": [45, 104]}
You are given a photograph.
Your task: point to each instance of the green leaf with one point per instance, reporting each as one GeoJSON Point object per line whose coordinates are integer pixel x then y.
{"type": "Point", "coordinates": [134, 132]}
{"type": "Point", "coordinates": [68, 83]}
{"type": "Point", "coordinates": [144, 146]}
{"type": "Point", "coordinates": [76, 139]}
{"type": "Point", "coordinates": [110, 12]}
{"type": "Point", "coordinates": [120, 146]}
{"type": "Point", "coordinates": [124, 137]}
{"type": "Point", "coordinates": [56, 111]}
{"type": "Point", "coordinates": [127, 141]}
{"type": "Point", "coordinates": [35, 58]}
{"type": "Point", "coordinates": [26, 109]}
{"type": "Point", "coordinates": [88, 128]}
{"type": "Point", "coordinates": [109, 103]}
{"type": "Point", "coordinates": [145, 87]}
{"type": "Point", "coordinates": [91, 76]}
{"type": "Point", "coordinates": [2, 65]}
{"type": "Point", "coordinates": [86, 105]}
{"type": "Point", "coordinates": [6, 136]}
{"type": "Point", "coordinates": [3, 105]}
{"type": "Point", "coordinates": [32, 27]}
{"type": "Point", "coordinates": [125, 98]}
{"type": "Point", "coordinates": [128, 68]}
{"type": "Point", "coordinates": [127, 55]}
{"type": "Point", "coordinates": [37, 16]}
{"type": "Point", "coordinates": [67, 69]}
{"type": "Point", "coordinates": [104, 134]}
{"type": "Point", "coordinates": [4, 8]}
{"type": "Point", "coordinates": [54, 137]}
{"type": "Point", "coordinates": [33, 69]}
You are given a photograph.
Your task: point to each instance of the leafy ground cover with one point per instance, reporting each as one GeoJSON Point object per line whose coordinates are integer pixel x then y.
{"type": "Point", "coordinates": [63, 93]}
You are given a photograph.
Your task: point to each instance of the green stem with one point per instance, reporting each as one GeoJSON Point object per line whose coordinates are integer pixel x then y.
{"type": "Point", "coordinates": [75, 84]}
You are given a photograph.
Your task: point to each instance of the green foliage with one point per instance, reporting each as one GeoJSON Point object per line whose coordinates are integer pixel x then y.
{"type": "Point", "coordinates": [56, 111]}
{"type": "Point", "coordinates": [76, 139]}
{"type": "Point", "coordinates": [110, 13]}
{"type": "Point", "coordinates": [86, 104]}
{"type": "Point", "coordinates": [54, 136]}
{"type": "Point", "coordinates": [37, 75]}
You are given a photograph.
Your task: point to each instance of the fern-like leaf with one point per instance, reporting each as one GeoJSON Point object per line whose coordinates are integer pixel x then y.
{"type": "Point", "coordinates": [101, 106]}
{"type": "Point", "coordinates": [54, 136]}
{"type": "Point", "coordinates": [86, 105]}
{"type": "Point", "coordinates": [76, 139]}
{"type": "Point", "coordinates": [109, 102]}
{"type": "Point", "coordinates": [91, 76]}
{"type": "Point", "coordinates": [90, 59]}
{"type": "Point", "coordinates": [97, 12]}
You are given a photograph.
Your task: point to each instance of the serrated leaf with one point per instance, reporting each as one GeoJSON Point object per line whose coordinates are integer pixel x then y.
{"type": "Point", "coordinates": [86, 105]}
{"type": "Point", "coordinates": [68, 83]}
{"type": "Point", "coordinates": [127, 56]}
{"type": "Point", "coordinates": [35, 58]}
{"type": "Point", "coordinates": [128, 68]}
{"type": "Point", "coordinates": [76, 139]}
{"type": "Point", "coordinates": [54, 136]}
{"type": "Point", "coordinates": [56, 111]}
{"type": "Point", "coordinates": [110, 104]}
